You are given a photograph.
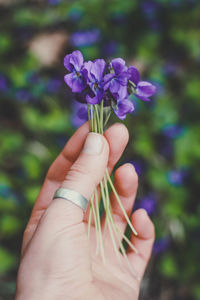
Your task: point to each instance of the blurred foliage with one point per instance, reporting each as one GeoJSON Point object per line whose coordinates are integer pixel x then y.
{"type": "Point", "coordinates": [161, 37]}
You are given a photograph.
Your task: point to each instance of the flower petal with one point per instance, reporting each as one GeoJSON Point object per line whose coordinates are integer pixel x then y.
{"type": "Point", "coordinates": [107, 80]}
{"type": "Point", "coordinates": [124, 107]}
{"type": "Point", "coordinates": [67, 63]}
{"type": "Point", "coordinates": [122, 92]}
{"type": "Point", "coordinates": [97, 69]}
{"type": "Point", "coordinates": [145, 89]}
{"type": "Point", "coordinates": [123, 78]}
{"type": "Point", "coordinates": [134, 75]}
{"type": "Point", "coordinates": [118, 65]}
{"type": "Point", "coordinates": [92, 100]}
{"type": "Point", "coordinates": [77, 84]}
{"type": "Point", "coordinates": [73, 61]}
{"type": "Point", "coordinates": [142, 98]}
{"type": "Point", "coordinates": [87, 68]}
{"type": "Point", "coordinates": [114, 86]}
{"type": "Point", "coordinates": [76, 60]}
{"type": "Point", "coordinates": [82, 112]}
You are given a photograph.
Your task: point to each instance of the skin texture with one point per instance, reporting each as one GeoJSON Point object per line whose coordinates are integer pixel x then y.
{"type": "Point", "coordinates": [58, 260]}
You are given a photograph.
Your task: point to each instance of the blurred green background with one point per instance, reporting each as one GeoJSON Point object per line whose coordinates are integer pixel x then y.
{"type": "Point", "coordinates": [37, 116]}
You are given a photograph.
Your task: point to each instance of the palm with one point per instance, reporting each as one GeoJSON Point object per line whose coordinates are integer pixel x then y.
{"type": "Point", "coordinates": [112, 280]}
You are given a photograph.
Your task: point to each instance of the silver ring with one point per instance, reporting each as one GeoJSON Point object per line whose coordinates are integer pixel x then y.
{"type": "Point", "coordinates": [72, 196]}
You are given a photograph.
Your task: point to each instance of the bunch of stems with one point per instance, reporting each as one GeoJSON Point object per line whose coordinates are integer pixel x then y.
{"type": "Point", "coordinates": [98, 117]}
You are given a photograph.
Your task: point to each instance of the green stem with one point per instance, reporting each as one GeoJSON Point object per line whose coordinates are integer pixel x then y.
{"type": "Point", "coordinates": [107, 214]}
{"type": "Point", "coordinates": [107, 119]}
{"type": "Point", "coordinates": [101, 117]}
{"type": "Point", "coordinates": [97, 119]}
{"type": "Point", "coordinates": [97, 124]}
{"type": "Point", "coordinates": [120, 204]}
{"type": "Point", "coordinates": [99, 225]}
{"type": "Point", "coordinates": [95, 222]}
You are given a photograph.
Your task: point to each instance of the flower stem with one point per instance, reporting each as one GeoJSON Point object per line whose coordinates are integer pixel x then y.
{"type": "Point", "coordinates": [97, 124]}
{"type": "Point", "coordinates": [120, 203]}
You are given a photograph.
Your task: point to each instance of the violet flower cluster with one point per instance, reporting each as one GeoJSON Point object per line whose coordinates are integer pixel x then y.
{"type": "Point", "coordinates": [95, 81]}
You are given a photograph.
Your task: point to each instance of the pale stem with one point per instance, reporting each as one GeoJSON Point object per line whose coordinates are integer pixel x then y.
{"type": "Point", "coordinates": [107, 213]}
{"type": "Point", "coordinates": [99, 225]}
{"type": "Point", "coordinates": [120, 204]}
{"type": "Point", "coordinates": [95, 222]}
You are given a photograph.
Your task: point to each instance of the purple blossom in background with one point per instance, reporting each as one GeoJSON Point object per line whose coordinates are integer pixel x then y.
{"type": "Point", "coordinates": [23, 95]}
{"type": "Point", "coordinates": [110, 48]}
{"type": "Point", "coordinates": [143, 89]}
{"type": "Point", "coordinates": [74, 14]}
{"type": "Point", "coordinates": [3, 83]}
{"type": "Point", "coordinates": [85, 38]}
{"type": "Point", "coordinates": [77, 78]}
{"type": "Point", "coordinates": [170, 68]}
{"type": "Point", "coordinates": [149, 203]}
{"type": "Point", "coordinates": [54, 85]}
{"type": "Point", "coordinates": [117, 81]}
{"type": "Point", "coordinates": [139, 166]}
{"type": "Point", "coordinates": [4, 190]}
{"type": "Point", "coordinates": [149, 8]}
{"type": "Point", "coordinates": [173, 130]}
{"type": "Point", "coordinates": [161, 245]}
{"type": "Point", "coordinates": [166, 148]}
{"type": "Point", "coordinates": [54, 2]}
{"type": "Point", "coordinates": [124, 107]}
{"type": "Point", "coordinates": [176, 177]}
{"type": "Point", "coordinates": [95, 80]}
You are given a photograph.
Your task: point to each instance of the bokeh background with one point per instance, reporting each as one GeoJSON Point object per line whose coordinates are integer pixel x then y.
{"type": "Point", "coordinates": [38, 115]}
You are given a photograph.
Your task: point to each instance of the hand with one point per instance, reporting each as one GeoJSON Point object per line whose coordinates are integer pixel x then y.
{"type": "Point", "coordinates": [58, 260]}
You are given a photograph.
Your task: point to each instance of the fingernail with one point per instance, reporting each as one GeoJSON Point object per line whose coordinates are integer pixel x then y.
{"type": "Point", "coordinates": [131, 165]}
{"type": "Point", "coordinates": [93, 144]}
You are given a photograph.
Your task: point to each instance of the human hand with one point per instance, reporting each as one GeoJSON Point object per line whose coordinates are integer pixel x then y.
{"type": "Point", "coordinates": [58, 260]}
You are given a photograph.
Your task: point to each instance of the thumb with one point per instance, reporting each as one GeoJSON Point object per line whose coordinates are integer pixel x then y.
{"type": "Point", "coordinates": [83, 176]}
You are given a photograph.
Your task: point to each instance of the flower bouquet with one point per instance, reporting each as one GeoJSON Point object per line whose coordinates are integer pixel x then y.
{"type": "Point", "coordinates": [105, 88]}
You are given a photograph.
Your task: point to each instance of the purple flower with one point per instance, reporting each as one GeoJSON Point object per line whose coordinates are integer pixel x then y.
{"type": "Point", "coordinates": [85, 38]}
{"type": "Point", "coordinates": [173, 130]}
{"type": "Point", "coordinates": [143, 89]}
{"type": "Point", "coordinates": [80, 114]}
{"type": "Point", "coordinates": [161, 245]}
{"type": "Point", "coordinates": [54, 2]}
{"type": "Point", "coordinates": [95, 80]}
{"type": "Point", "coordinates": [176, 177]}
{"type": "Point", "coordinates": [77, 78]}
{"type": "Point", "coordinates": [3, 83]}
{"type": "Point", "coordinates": [53, 85]}
{"type": "Point", "coordinates": [149, 8]}
{"type": "Point", "coordinates": [110, 48]}
{"type": "Point", "coordinates": [23, 95]}
{"type": "Point", "coordinates": [148, 203]}
{"type": "Point", "coordinates": [123, 108]}
{"type": "Point", "coordinates": [139, 166]}
{"type": "Point", "coordinates": [117, 82]}
{"type": "Point", "coordinates": [166, 147]}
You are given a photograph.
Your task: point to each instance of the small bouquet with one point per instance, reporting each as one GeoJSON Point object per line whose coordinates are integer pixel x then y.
{"type": "Point", "coordinates": [105, 88]}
